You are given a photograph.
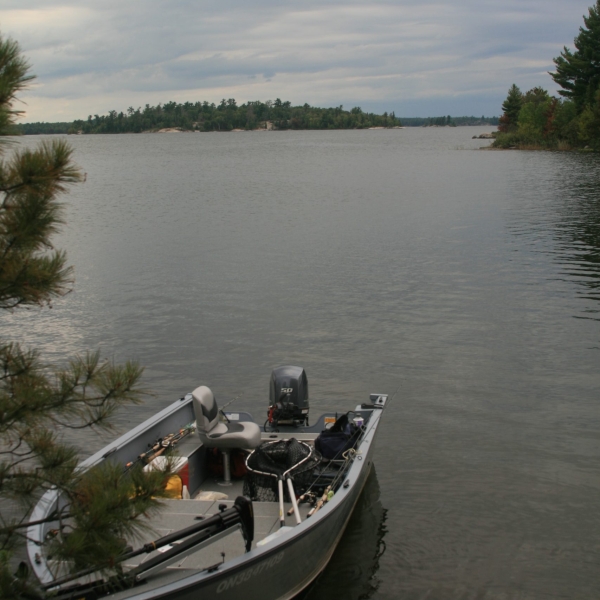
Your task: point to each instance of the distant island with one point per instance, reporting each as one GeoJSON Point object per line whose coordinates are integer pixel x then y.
{"type": "Point", "coordinates": [229, 116]}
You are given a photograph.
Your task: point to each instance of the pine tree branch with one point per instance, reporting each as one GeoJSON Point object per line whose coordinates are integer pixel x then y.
{"type": "Point", "coordinates": [38, 403]}
{"type": "Point", "coordinates": [49, 519]}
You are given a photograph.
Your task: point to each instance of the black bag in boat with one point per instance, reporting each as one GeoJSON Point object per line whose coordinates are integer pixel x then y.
{"type": "Point", "coordinates": [342, 436]}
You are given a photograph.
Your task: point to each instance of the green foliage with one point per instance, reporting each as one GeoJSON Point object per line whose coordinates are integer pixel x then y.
{"type": "Point", "coordinates": [571, 122]}
{"type": "Point", "coordinates": [541, 122]}
{"type": "Point", "coordinates": [438, 122]}
{"type": "Point", "coordinates": [511, 107]}
{"type": "Point", "coordinates": [578, 72]}
{"type": "Point", "coordinates": [13, 78]}
{"type": "Point", "coordinates": [44, 128]}
{"type": "Point", "coordinates": [40, 402]}
{"type": "Point", "coordinates": [589, 124]}
{"type": "Point", "coordinates": [17, 585]}
{"type": "Point", "coordinates": [202, 116]}
{"type": "Point", "coordinates": [451, 121]}
{"type": "Point", "coordinates": [186, 118]}
{"type": "Point", "coordinates": [551, 123]}
{"type": "Point", "coordinates": [532, 119]}
{"type": "Point", "coordinates": [30, 272]}
{"type": "Point", "coordinates": [507, 140]}
{"type": "Point", "coordinates": [566, 112]}
{"type": "Point", "coordinates": [105, 506]}
{"type": "Point", "coordinates": [535, 96]}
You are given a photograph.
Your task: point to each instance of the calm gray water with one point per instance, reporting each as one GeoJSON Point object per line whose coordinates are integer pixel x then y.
{"type": "Point", "coordinates": [465, 283]}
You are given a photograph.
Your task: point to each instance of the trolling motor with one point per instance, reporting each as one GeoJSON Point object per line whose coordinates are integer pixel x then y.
{"type": "Point", "coordinates": [288, 398]}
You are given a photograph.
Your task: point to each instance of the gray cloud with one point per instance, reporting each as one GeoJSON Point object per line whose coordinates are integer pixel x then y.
{"type": "Point", "coordinates": [407, 56]}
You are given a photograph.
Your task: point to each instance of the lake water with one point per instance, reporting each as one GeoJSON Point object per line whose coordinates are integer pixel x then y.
{"type": "Point", "coordinates": [464, 283]}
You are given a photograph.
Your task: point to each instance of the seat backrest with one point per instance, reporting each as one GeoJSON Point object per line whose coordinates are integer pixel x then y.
{"type": "Point", "coordinates": [206, 410]}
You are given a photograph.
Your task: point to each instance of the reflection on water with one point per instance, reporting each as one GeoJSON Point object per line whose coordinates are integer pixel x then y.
{"type": "Point", "coordinates": [578, 231]}
{"type": "Point", "coordinates": [567, 224]}
{"type": "Point", "coordinates": [352, 571]}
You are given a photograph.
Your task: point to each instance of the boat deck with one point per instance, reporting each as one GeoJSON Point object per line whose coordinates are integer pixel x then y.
{"type": "Point", "coordinates": [178, 514]}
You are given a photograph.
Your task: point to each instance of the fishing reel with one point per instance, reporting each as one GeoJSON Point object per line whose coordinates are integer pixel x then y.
{"type": "Point", "coordinates": [288, 398]}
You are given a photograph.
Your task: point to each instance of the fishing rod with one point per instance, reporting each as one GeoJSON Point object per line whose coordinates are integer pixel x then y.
{"type": "Point", "coordinates": [348, 456]}
{"type": "Point", "coordinates": [311, 498]}
{"type": "Point", "coordinates": [324, 498]}
{"type": "Point", "coordinates": [329, 492]}
{"type": "Point", "coordinates": [222, 409]}
{"type": "Point", "coordinates": [161, 445]}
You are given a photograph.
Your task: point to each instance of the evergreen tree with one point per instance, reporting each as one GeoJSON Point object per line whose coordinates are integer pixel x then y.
{"type": "Point", "coordinates": [511, 107]}
{"type": "Point", "coordinates": [38, 403]}
{"type": "Point", "coordinates": [578, 72]}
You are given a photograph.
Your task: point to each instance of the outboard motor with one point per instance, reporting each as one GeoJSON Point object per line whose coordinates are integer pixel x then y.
{"type": "Point", "coordinates": [288, 397]}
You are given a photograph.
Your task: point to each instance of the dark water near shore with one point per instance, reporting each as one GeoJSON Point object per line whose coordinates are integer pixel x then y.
{"type": "Point", "coordinates": [464, 283]}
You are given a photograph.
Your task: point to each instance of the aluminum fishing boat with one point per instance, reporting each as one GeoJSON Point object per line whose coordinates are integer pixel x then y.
{"type": "Point", "coordinates": [259, 509]}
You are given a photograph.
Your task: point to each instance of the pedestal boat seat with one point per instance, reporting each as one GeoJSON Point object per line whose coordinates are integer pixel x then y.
{"type": "Point", "coordinates": [214, 433]}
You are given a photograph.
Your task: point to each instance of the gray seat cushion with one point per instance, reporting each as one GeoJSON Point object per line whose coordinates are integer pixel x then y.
{"type": "Point", "coordinates": [213, 432]}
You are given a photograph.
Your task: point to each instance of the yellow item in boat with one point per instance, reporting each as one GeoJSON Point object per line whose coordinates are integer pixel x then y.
{"type": "Point", "coordinates": [174, 487]}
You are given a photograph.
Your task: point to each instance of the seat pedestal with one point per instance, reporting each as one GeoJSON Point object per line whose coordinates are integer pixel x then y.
{"type": "Point", "coordinates": [226, 467]}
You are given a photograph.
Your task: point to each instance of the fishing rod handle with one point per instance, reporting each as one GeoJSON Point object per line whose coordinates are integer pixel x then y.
{"type": "Point", "coordinates": [320, 503]}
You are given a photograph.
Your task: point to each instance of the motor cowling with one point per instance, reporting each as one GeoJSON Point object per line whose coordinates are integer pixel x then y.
{"type": "Point", "coordinates": [288, 397]}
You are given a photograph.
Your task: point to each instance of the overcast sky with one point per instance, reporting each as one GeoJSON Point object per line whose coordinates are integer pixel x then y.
{"type": "Point", "coordinates": [415, 57]}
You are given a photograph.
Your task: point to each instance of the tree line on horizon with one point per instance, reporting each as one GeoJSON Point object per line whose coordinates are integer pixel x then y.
{"type": "Point", "coordinates": [228, 115]}
{"type": "Point", "coordinates": [535, 119]}
{"type": "Point", "coordinates": [448, 121]}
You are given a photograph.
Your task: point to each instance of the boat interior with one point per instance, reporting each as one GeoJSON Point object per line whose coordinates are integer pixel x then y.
{"type": "Point", "coordinates": [215, 459]}
{"type": "Point", "coordinates": [212, 491]}
{"type": "Point", "coordinates": [212, 478]}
